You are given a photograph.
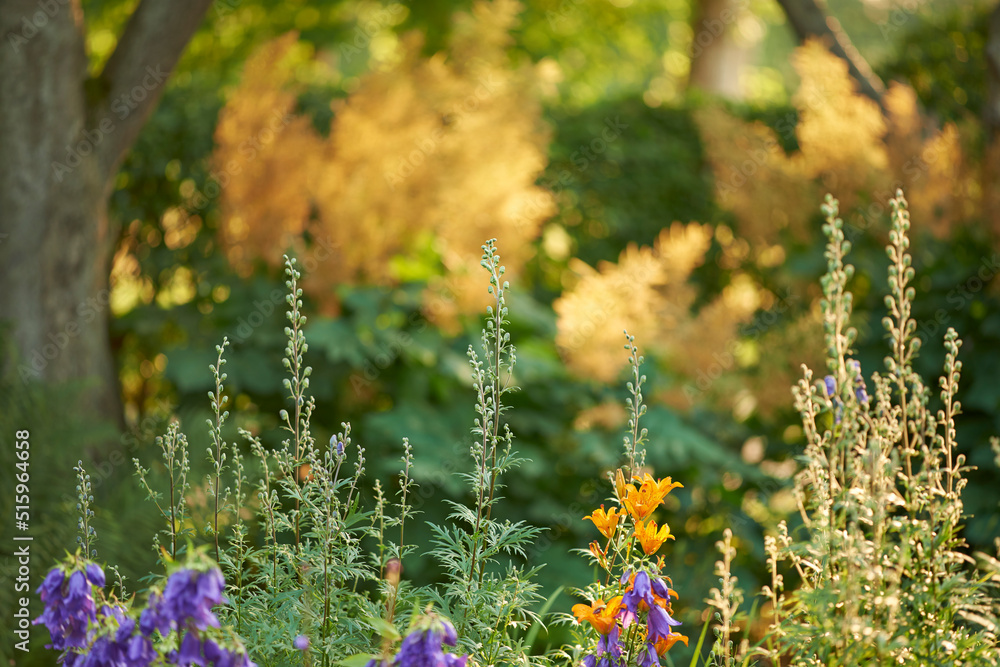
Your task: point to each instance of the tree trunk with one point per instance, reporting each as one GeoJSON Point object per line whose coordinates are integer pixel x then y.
{"type": "Point", "coordinates": [808, 19]}
{"type": "Point", "coordinates": [715, 55]}
{"type": "Point", "coordinates": [62, 139]}
{"type": "Point", "coordinates": [991, 114]}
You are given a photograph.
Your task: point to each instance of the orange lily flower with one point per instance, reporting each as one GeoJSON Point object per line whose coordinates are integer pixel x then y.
{"type": "Point", "coordinates": [665, 644]}
{"type": "Point", "coordinates": [651, 538]}
{"type": "Point", "coordinates": [606, 522]}
{"type": "Point", "coordinates": [640, 502]}
{"type": "Point", "coordinates": [598, 553]}
{"type": "Point", "coordinates": [599, 614]}
{"type": "Point", "coordinates": [620, 484]}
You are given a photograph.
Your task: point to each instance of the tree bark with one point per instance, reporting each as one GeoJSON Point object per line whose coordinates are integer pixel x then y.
{"type": "Point", "coordinates": [715, 56]}
{"type": "Point", "coordinates": [808, 19]}
{"type": "Point", "coordinates": [62, 138]}
{"type": "Point", "coordinates": [991, 114]}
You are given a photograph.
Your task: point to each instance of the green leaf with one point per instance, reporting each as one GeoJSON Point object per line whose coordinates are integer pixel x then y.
{"type": "Point", "coordinates": [384, 628]}
{"type": "Point", "coordinates": [359, 660]}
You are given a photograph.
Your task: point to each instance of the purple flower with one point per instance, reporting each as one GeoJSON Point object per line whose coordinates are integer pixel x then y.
{"type": "Point", "coordinates": [301, 642]}
{"type": "Point", "coordinates": [190, 651]}
{"type": "Point", "coordinates": [422, 647]}
{"type": "Point", "coordinates": [860, 390]}
{"type": "Point", "coordinates": [187, 600]}
{"type": "Point", "coordinates": [140, 651]}
{"type": "Point", "coordinates": [648, 656]}
{"type": "Point", "coordinates": [659, 623]}
{"type": "Point", "coordinates": [95, 574]}
{"type": "Point", "coordinates": [831, 385]}
{"type": "Point", "coordinates": [450, 636]}
{"type": "Point", "coordinates": [69, 608]}
{"type": "Point", "coordinates": [641, 591]}
{"type": "Point", "coordinates": [608, 652]}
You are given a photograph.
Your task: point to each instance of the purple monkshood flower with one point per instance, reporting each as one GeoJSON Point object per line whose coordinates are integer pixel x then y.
{"type": "Point", "coordinates": [422, 648]}
{"type": "Point", "coordinates": [608, 652]}
{"type": "Point", "coordinates": [69, 608]}
{"type": "Point", "coordinates": [187, 601]}
{"type": "Point", "coordinates": [658, 621]}
{"type": "Point", "coordinates": [641, 591]}
{"type": "Point", "coordinates": [190, 651]}
{"type": "Point", "coordinates": [95, 574]}
{"type": "Point", "coordinates": [648, 656]}
{"type": "Point", "coordinates": [206, 652]}
{"type": "Point", "coordinates": [831, 385]}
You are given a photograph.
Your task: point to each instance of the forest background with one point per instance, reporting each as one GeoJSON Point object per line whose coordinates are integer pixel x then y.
{"type": "Point", "coordinates": [655, 166]}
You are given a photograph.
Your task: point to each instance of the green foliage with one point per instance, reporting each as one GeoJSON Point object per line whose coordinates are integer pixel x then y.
{"type": "Point", "coordinates": [884, 578]}
{"type": "Point", "coordinates": [930, 48]}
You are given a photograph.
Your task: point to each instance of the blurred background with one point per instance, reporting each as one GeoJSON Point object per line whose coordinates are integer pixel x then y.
{"type": "Point", "coordinates": [655, 165]}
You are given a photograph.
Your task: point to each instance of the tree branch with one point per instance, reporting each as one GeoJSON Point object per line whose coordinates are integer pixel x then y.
{"type": "Point", "coordinates": [136, 73]}
{"type": "Point", "coordinates": [808, 19]}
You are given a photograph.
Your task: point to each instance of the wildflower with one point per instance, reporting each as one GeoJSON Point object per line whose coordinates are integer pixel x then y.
{"type": "Point", "coordinates": [642, 501]}
{"type": "Point", "coordinates": [301, 643]}
{"type": "Point", "coordinates": [69, 608]}
{"type": "Point", "coordinates": [650, 538]}
{"type": "Point", "coordinates": [606, 522]}
{"type": "Point", "coordinates": [860, 389]}
{"type": "Point", "coordinates": [422, 647]}
{"type": "Point", "coordinates": [659, 623]}
{"type": "Point", "coordinates": [187, 600]}
{"type": "Point", "coordinates": [602, 616]}
{"type": "Point", "coordinates": [608, 652]}
{"type": "Point", "coordinates": [665, 644]}
{"type": "Point", "coordinates": [95, 574]}
{"type": "Point", "coordinates": [648, 656]}
{"type": "Point", "coordinates": [620, 484]}
{"type": "Point", "coordinates": [831, 385]}
{"type": "Point", "coordinates": [652, 594]}
{"type": "Point", "coordinates": [190, 651]}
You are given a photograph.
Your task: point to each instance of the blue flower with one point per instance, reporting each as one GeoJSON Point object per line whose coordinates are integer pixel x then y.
{"type": "Point", "coordinates": [641, 591]}
{"type": "Point", "coordinates": [95, 574]}
{"type": "Point", "coordinates": [659, 623]}
{"type": "Point", "coordinates": [69, 608]}
{"type": "Point", "coordinates": [422, 647]}
{"type": "Point", "coordinates": [190, 651]}
{"type": "Point", "coordinates": [648, 656]}
{"type": "Point", "coordinates": [187, 601]}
